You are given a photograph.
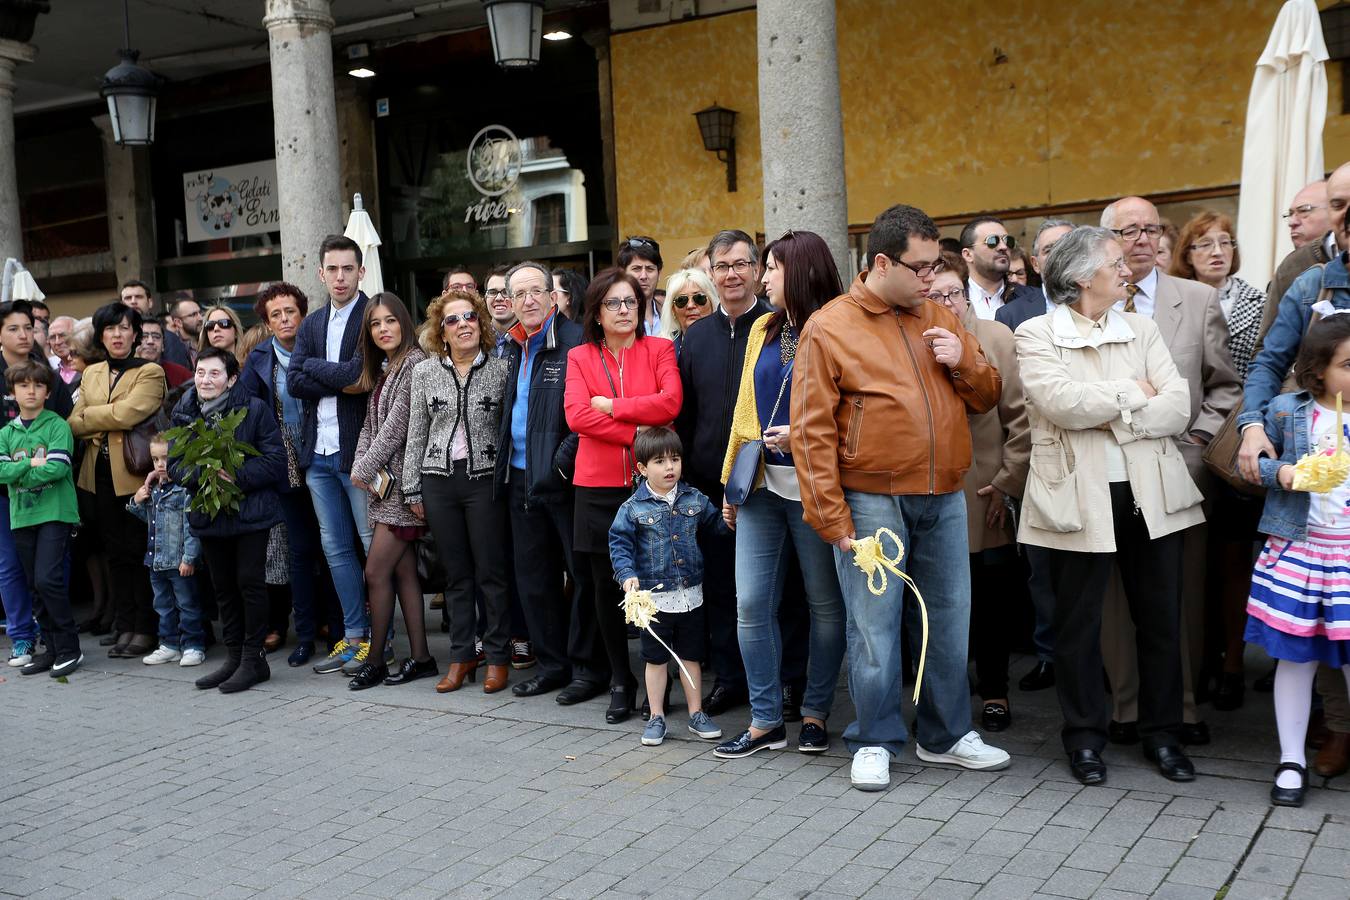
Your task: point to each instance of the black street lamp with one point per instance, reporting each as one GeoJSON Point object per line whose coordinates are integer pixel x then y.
{"type": "Point", "coordinates": [131, 91]}
{"type": "Point", "coordinates": [516, 26]}
{"type": "Point", "coordinates": [717, 127]}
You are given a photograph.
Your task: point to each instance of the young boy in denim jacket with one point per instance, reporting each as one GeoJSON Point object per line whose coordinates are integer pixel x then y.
{"type": "Point", "coordinates": [171, 554]}
{"type": "Point", "coordinates": [35, 452]}
{"type": "Point", "coordinates": [653, 545]}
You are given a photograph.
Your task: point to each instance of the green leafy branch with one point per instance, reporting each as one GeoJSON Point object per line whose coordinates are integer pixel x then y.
{"type": "Point", "coordinates": [208, 449]}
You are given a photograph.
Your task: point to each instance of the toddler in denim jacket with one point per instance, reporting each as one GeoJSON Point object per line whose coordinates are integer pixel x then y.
{"type": "Point", "coordinates": [653, 545]}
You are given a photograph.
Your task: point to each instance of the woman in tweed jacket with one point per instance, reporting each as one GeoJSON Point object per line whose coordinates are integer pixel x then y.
{"type": "Point", "coordinates": [390, 353]}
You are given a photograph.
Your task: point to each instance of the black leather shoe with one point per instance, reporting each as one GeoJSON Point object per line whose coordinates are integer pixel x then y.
{"type": "Point", "coordinates": [539, 684]}
{"type": "Point", "coordinates": [812, 739]}
{"type": "Point", "coordinates": [744, 745]}
{"type": "Point", "coordinates": [1039, 678]}
{"type": "Point", "coordinates": [579, 692]}
{"type": "Point", "coordinates": [620, 705]}
{"type": "Point", "coordinates": [1123, 732]}
{"type": "Point", "coordinates": [1266, 683]}
{"type": "Point", "coordinates": [1172, 763]}
{"type": "Point", "coordinates": [1231, 689]}
{"type": "Point", "coordinates": [1087, 766]}
{"type": "Point", "coordinates": [411, 670]}
{"type": "Point", "coordinates": [1194, 734]}
{"type": "Point", "coordinates": [792, 701]}
{"type": "Point", "coordinates": [1289, 796]}
{"type": "Point", "coordinates": [996, 717]}
{"type": "Point", "coordinates": [369, 675]}
{"type": "Point", "coordinates": [722, 699]}
{"type": "Point", "coordinates": [303, 652]}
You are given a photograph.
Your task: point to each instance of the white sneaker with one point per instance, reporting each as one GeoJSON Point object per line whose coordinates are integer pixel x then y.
{"type": "Point", "coordinates": [871, 769]}
{"type": "Point", "coordinates": [192, 658]}
{"type": "Point", "coordinates": [162, 655]}
{"type": "Point", "coordinates": [971, 752]}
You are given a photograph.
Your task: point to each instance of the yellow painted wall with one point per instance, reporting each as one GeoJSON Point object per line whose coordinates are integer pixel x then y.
{"type": "Point", "coordinates": [1096, 99]}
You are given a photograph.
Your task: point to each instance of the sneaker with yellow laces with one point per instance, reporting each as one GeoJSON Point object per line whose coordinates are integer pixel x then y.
{"type": "Point", "coordinates": [353, 665]}
{"type": "Point", "coordinates": [341, 654]}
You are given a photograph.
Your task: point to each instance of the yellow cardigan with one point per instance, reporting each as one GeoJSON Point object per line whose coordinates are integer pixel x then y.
{"type": "Point", "coordinates": [745, 417]}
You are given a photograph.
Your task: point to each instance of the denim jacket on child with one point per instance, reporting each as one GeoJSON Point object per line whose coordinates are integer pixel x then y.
{"type": "Point", "coordinates": [1286, 512]}
{"type": "Point", "coordinates": [170, 541]}
{"type": "Point", "coordinates": [658, 545]}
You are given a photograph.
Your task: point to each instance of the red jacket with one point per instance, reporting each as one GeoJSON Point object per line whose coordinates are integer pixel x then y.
{"type": "Point", "coordinates": [646, 391]}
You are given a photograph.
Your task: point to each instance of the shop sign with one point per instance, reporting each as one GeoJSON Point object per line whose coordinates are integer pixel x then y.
{"type": "Point", "coordinates": [494, 160]}
{"type": "Point", "coordinates": [231, 201]}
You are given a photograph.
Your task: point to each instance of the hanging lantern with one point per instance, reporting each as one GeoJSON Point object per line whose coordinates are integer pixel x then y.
{"type": "Point", "coordinates": [516, 27]}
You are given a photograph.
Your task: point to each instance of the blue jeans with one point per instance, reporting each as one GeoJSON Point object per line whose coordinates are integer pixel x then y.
{"type": "Point", "coordinates": [180, 615]}
{"type": "Point", "coordinates": [341, 511]}
{"type": "Point", "coordinates": [764, 525]}
{"type": "Point", "coordinates": [14, 593]}
{"type": "Point", "coordinates": [933, 530]}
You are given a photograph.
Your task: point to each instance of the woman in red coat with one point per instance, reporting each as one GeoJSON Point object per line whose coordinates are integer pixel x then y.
{"type": "Point", "coordinates": [618, 382]}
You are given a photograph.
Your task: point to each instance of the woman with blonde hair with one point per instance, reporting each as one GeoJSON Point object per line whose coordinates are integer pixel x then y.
{"type": "Point", "coordinates": [690, 296]}
{"type": "Point", "coordinates": [222, 327]}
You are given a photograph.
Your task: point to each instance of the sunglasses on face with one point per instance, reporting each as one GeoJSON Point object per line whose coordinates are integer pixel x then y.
{"type": "Point", "coordinates": [994, 240]}
{"type": "Point", "coordinates": [456, 318]}
{"type": "Point", "coordinates": [697, 299]}
{"type": "Point", "coordinates": [220, 324]}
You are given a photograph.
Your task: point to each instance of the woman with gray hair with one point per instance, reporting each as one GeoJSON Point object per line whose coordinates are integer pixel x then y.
{"type": "Point", "coordinates": [1107, 486]}
{"type": "Point", "coordinates": [690, 296]}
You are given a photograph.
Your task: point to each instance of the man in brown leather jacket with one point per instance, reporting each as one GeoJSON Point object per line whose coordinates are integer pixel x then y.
{"type": "Point", "coordinates": [883, 382]}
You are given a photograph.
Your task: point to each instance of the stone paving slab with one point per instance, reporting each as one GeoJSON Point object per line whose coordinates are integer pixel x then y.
{"type": "Point", "coordinates": [127, 782]}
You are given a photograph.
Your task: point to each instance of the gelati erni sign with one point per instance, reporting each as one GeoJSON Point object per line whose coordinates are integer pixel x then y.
{"type": "Point", "coordinates": [231, 201]}
{"type": "Point", "coordinates": [494, 167]}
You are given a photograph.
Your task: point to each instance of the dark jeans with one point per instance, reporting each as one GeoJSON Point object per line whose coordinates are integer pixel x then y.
{"type": "Point", "coordinates": [42, 552]}
{"type": "Point", "coordinates": [124, 538]}
{"type": "Point", "coordinates": [237, 568]}
{"type": "Point", "coordinates": [564, 635]}
{"type": "Point", "coordinates": [1151, 572]}
{"type": "Point", "coordinates": [302, 537]}
{"type": "Point", "coordinates": [719, 602]}
{"type": "Point", "coordinates": [470, 530]}
{"type": "Point", "coordinates": [993, 618]}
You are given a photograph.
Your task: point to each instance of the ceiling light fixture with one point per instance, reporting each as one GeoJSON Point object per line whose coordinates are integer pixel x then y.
{"type": "Point", "coordinates": [558, 35]}
{"type": "Point", "coordinates": [362, 73]}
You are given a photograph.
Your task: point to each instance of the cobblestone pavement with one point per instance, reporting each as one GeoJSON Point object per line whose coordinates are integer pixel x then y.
{"type": "Point", "coordinates": [127, 782]}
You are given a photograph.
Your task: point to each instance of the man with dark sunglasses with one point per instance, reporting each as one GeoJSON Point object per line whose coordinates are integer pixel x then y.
{"type": "Point", "coordinates": [987, 249]}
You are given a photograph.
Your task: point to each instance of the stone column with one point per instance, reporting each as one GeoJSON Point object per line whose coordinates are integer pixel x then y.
{"type": "Point", "coordinates": [11, 235]}
{"type": "Point", "coordinates": [599, 41]}
{"type": "Point", "coordinates": [304, 117]}
{"type": "Point", "coordinates": [131, 223]}
{"type": "Point", "coordinates": [356, 148]}
{"type": "Point", "coordinates": [801, 129]}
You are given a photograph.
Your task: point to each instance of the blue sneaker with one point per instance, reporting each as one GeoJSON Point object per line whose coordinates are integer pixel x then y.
{"type": "Point", "coordinates": [655, 732]}
{"type": "Point", "coordinates": [341, 655]}
{"type": "Point", "coordinates": [704, 727]}
{"type": "Point", "coordinates": [21, 654]}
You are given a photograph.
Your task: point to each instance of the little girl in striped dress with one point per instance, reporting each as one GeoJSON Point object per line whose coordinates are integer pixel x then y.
{"type": "Point", "coordinates": [1299, 609]}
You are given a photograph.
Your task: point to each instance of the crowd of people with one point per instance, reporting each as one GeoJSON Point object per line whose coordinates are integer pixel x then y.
{"type": "Point", "coordinates": [1022, 431]}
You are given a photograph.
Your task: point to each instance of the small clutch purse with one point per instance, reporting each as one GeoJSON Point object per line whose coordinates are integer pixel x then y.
{"type": "Point", "coordinates": [744, 472]}
{"type": "Point", "coordinates": [382, 485]}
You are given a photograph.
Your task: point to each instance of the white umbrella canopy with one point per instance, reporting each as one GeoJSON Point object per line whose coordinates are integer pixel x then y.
{"type": "Point", "coordinates": [1282, 150]}
{"type": "Point", "coordinates": [362, 230]}
{"type": "Point", "coordinates": [25, 288]}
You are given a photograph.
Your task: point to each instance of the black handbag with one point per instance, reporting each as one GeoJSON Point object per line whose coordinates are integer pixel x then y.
{"type": "Point", "coordinates": [749, 458]}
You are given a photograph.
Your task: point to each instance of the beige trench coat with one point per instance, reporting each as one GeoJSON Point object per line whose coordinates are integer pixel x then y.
{"type": "Point", "coordinates": [1076, 385]}
{"type": "Point", "coordinates": [1000, 438]}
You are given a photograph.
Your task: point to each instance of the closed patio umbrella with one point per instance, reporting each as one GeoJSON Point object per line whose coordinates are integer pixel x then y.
{"type": "Point", "coordinates": [1282, 150]}
{"type": "Point", "coordinates": [362, 230]}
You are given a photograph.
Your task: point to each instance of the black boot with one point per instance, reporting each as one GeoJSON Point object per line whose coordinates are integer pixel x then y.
{"type": "Point", "coordinates": [253, 669]}
{"type": "Point", "coordinates": [221, 675]}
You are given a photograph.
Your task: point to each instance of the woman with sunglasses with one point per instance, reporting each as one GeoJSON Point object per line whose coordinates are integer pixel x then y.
{"type": "Point", "coordinates": [690, 296]}
{"type": "Point", "coordinates": [221, 327]}
{"type": "Point", "coordinates": [799, 278]}
{"type": "Point", "coordinates": [454, 414]}
{"type": "Point", "coordinates": [618, 382]}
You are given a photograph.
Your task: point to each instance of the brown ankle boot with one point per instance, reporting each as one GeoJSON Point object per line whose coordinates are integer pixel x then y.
{"type": "Point", "coordinates": [495, 680]}
{"type": "Point", "coordinates": [455, 675]}
{"type": "Point", "coordinates": [1334, 757]}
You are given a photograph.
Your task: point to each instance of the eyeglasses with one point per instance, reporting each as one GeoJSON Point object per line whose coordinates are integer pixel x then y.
{"type": "Point", "coordinates": [1224, 244]}
{"type": "Point", "coordinates": [697, 299]}
{"type": "Point", "coordinates": [994, 240]}
{"type": "Point", "coordinates": [1300, 212]}
{"type": "Point", "coordinates": [740, 267]}
{"type": "Point", "coordinates": [922, 270]}
{"type": "Point", "coordinates": [1132, 233]}
{"type": "Point", "coordinates": [467, 288]}
{"type": "Point", "coordinates": [219, 325]}
{"type": "Point", "coordinates": [456, 318]}
{"type": "Point", "coordinates": [613, 304]}
{"type": "Point", "coordinates": [1118, 265]}
{"type": "Point", "coordinates": [494, 293]}
{"type": "Point", "coordinates": [534, 293]}
{"type": "Point", "coordinates": [946, 296]}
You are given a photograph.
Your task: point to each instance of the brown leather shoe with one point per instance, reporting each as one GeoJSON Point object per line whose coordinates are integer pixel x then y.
{"type": "Point", "coordinates": [1317, 729]}
{"type": "Point", "coordinates": [273, 641]}
{"type": "Point", "coordinates": [495, 680]}
{"type": "Point", "coordinates": [1334, 757]}
{"type": "Point", "coordinates": [454, 676]}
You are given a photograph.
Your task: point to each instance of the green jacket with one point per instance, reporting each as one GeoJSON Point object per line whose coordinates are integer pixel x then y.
{"type": "Point", "coordinates": [45, 493]}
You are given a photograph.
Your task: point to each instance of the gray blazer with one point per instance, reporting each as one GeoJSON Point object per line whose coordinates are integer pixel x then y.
{"type": "Point", "coordinates": [439, 404]}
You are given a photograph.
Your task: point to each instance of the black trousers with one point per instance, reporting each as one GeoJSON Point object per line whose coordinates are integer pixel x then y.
{"type": "Point", "coordinates": [124, 538]}
{"type": "Point", "coordinates": [42, 553]}
{"type": "Point", "coordinates": [470, 530]}
{"type": "Point", "coordinates": [993, 617]}
{"type": "Point", "coordinates": [1151, 572]}
{"type": "Point", "coordinates": [565, 637]}
{"type": "Point", "coordinates": [238, 565]}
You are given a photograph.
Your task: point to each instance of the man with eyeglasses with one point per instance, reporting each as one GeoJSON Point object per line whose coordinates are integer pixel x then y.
{"type": "Point", "coordinates": [459, 278]}
{"type": "Point", "coordinates": [1315, 241]}
{"type": "Point", "coordinates": [641, 258]}
{"type": "Point", "coordinates": [987, 249]}
{"type": "Point", "coordinates": [151, 349]}
{"type": "Point", "coordinates": [883, 383]}
{"type": "Point", "coordinates": [500, 307]}
{"type": "Point", "coordinates": [1193, 327]}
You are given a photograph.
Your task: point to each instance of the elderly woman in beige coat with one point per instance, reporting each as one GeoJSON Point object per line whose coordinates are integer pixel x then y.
{"type": "Point", "coordinates": [1001, 444]}
{"type": "Point", "coordinates": [1107, 484]}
